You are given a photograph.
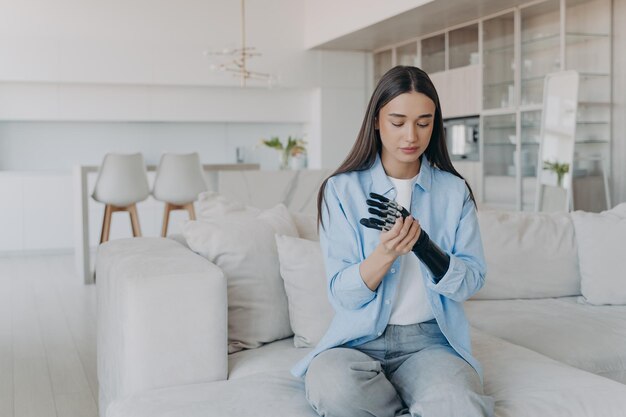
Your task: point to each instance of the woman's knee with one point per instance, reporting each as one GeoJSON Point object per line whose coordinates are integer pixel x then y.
{"type": "Point", "coordinates": [338, 380]}
{"type": "Point", "coordinates": [453, 398]}
{"type": "Point", "coordinates": [331, 373]}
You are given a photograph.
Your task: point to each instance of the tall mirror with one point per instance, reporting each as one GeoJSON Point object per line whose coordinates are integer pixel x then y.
{"type": "Point", "coordinates": [557, 138]}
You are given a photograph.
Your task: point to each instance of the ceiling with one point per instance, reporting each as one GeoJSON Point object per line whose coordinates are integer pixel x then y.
{"type": "Point", "coordinates": [431, 17]}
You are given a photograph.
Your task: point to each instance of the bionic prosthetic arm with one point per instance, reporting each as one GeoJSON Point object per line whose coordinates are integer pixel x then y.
{"type": "Point", "coordinates": [426, 250]}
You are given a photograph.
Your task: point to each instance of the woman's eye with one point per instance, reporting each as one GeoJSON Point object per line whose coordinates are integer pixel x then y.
{"type": "Point", "coordinates": [422, 125]}
{"type": "Point", "coordinates": [397, 124]}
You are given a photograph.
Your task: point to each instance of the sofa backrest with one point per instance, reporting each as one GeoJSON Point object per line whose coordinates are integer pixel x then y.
{"type": "Point", "coordinates": [297, 190]}
{"type": "Point", "coordinates": [529, 255]}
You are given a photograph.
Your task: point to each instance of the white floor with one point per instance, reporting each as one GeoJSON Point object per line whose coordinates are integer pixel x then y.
{"type": "Point", "coordinates": [47, 339]}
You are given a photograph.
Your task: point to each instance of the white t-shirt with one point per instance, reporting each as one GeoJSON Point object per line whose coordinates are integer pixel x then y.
{"type": "Point", "coordinates": [411, 304]}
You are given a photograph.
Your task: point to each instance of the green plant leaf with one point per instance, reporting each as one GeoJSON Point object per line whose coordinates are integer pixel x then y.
{"type": "Point", "coordinates": [273, 143]}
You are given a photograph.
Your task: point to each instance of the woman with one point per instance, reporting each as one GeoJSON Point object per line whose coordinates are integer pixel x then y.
{"type": "Point", "coordinates": [399, 342]}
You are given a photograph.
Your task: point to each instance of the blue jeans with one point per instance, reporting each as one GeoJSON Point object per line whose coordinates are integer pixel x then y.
{"type": "Point", "coordinates": [407, 371]}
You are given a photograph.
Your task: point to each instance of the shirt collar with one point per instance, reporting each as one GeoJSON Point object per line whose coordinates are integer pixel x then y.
{"type": "Point", "coordinates": [382, 184]}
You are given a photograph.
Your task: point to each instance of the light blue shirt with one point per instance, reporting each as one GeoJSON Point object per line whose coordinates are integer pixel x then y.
{"type": "Point", "coordinates": [444, 209]}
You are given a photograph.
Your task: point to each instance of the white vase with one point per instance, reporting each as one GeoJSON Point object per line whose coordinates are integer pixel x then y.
{"type": "Point", "coordinates": [298, 162]}
{"type": "Point", "coordinates": [283, 160]}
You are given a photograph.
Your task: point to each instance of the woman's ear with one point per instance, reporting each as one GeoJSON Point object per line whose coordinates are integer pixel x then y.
{"type": "Point", "coordinates": [376, 127]}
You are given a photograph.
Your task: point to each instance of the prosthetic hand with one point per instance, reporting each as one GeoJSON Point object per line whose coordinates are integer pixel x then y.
{"type": "Point", "coordinates": [426, 250]}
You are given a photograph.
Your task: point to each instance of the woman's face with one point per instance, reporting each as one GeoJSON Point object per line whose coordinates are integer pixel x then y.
{"type": "Point", "coordinates": [405, 125]}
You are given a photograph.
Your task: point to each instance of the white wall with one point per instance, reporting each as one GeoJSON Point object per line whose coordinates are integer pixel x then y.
{"type": "Point", "coordinates": [143, 61]}
{"type": "Point", "coordinates": [59, 146]}
{"type": "Point", "coordinates": [342, 17]}
{"type": "Point", "coordinates": [147, 41]}
{"type": "Point", "coordinates": [79, 79]}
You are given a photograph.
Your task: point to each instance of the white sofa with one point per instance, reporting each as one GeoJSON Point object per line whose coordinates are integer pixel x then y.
{"type": "Point", "coordinates": [163, 331]}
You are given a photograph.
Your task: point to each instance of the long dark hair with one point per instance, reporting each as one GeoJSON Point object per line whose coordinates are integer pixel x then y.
{"type": "Point", "coordinates": [396, 81]}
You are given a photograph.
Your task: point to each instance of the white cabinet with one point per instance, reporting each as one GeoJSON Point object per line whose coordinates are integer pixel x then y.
{"type": "Point", "coordinates": [36, 211]}
{"type": "Point", "coordinates": [459, 91]}
{"type": "Point", "coordinates": [11, 220]}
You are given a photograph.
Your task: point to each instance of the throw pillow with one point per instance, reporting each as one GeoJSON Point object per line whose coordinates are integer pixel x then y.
{"type": "Point", "coordinates": [601, 241]}
{"type": "Point", "coordinates": [212, 204]}
{"type": "Point", "coordinates": [528, 255]}
{"type": "Point", "coordinates": [243, 246]}
{"type": "Point", "coordinates": [306, 225]}
{"type": "Point", "coordinates": [302, 269]}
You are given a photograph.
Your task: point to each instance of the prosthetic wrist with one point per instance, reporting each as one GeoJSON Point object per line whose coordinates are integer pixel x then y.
{"type": "Point", "coordinates": [425, 249]}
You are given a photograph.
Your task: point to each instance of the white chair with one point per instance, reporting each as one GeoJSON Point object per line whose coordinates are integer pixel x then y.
{"type": "Point", "coordinates": [122, 183]}
{"type": "Point", "coordinates": [178, 182]}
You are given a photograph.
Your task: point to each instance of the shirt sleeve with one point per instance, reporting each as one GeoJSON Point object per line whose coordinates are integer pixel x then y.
{"type": "Point", "coordinates": [466, 273]}
{"type": "Point", "coordinates": [342, 255]}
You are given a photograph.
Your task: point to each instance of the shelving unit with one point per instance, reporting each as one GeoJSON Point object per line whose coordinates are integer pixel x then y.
{"type": "Point", "coordinates": [515, 49]}
{"type": "Point", "coordinates": [548, 36]}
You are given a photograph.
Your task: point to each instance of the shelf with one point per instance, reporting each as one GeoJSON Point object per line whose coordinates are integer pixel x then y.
{"type": "Point", "coordinates": [594, 103]}
{"type": "Point", "coordinates": [591, 142]}
{"type": "Point", "coordinates": [535, 78]}
{"type": "Point", "coordinates": [512, 126]}
{"type": "Point", "coordinates": [541, 43]}
{"type": "Point", "coordinates": [502, 143]}
{"type": "Point", "coordinates": [498, 111]}
{"type": "Point", "coordinates": [527, 108]}
{"type": "Point", "coordinates": [499, 84]}
{"type": "Point", "coordinates": [572, 38]}
{"type": "Point", "coordinates": [593, 74]}
{"type": "Point", "coordinates": [500, 49]}
{"type": "Point", "coordinates": [501, 177]}
{"type": "Point", "coordinates": [593, 123]}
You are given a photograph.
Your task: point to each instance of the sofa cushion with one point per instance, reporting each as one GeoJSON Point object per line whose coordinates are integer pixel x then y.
{"type": "Point", "coordinates": [243, 246]}
{"type": "Point", "coordinates": [275, 356]}
{"type": "Point", "coordinates": [302, 269]}
{"type": "Point", "coordinates": [526, 383]}
{"type": "Point", "coordinates": [529, 255]}
{"type": "Point", "coordinates": [601, 241]}
{"type": "Point", "coordinates": [522, 382]}
{"type": "Point", "coordinates": [272, 394]}
{"type": "Point", "coordinates": [588, 337]}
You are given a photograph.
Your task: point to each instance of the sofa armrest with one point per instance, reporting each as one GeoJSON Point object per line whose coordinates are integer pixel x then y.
{"type": "Point", "coordinates": [162, 318]}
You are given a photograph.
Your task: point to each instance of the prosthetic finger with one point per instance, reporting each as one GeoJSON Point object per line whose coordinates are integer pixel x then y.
{"type": "Point", "coordinates": [379, 197]}
{"type": "Point", "coordinates": [386, 204]}
{"type": "Point", "coordinates": [377, 223]}
{"type": "Point", "coordinates": [371, 223]}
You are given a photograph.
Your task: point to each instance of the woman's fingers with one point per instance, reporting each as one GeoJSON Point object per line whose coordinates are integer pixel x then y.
{"type": "Point", "coordinates": [402, 229]}
{"type": "Point", "coordinates": [406, 245]}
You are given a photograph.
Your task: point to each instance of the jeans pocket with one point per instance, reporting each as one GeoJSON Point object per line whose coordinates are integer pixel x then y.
{"type": "Point", "coordinates": [431, 329]}
{"type": "Point", "coordinates": [366, 366]}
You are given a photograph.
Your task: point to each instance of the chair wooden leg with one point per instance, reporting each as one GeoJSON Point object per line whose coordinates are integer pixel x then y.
{"type": "Point", "coordinates": [166, 219]}
{"type": "Point", "coordinates": [191, 210]}
{"type": "Point", "coordinates": [134, 220]}
{"type": "Point", "coordinates": [106, 223]}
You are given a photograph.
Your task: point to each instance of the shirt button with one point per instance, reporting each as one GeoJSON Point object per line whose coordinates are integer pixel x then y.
{"type": "Point", "coordinates": [387, 301]}
{"type": "Point", "coordinates": [380, 333]}
{"type": "Point", "coordinates": [393, 270]}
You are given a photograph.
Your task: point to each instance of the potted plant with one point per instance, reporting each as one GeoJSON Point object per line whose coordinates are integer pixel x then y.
{"type": "Point", "coordinates": [559, 169]}
{"type": "Point", "coordinates": [295, 148]}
